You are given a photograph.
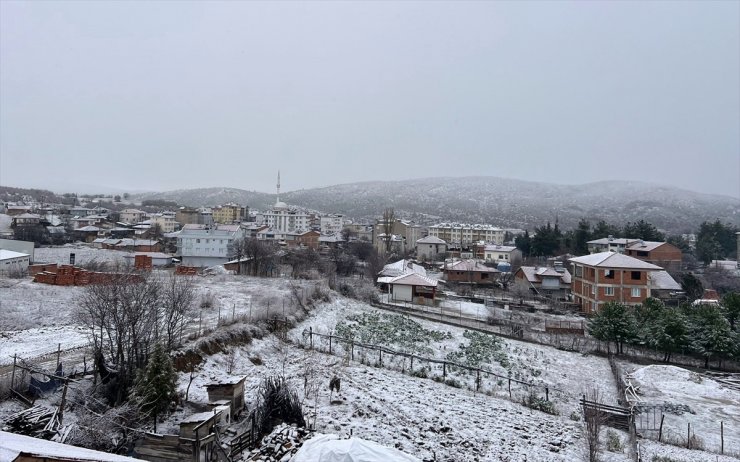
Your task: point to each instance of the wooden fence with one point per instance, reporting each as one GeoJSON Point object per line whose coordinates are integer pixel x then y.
{"type": "Point", "coordinates": [415, 365]}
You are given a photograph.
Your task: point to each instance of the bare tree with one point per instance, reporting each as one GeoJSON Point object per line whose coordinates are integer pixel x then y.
{"type": "Point", "coordinates": [262, 255]}
{"type": "Point", "coordinates": [178, 299]}
{"type": "Point", "coordinates": [593, 419]}
{"type": "Point", "coordinates": [389, 219]}
{"type": "Point", "coordinates": [121, 316]}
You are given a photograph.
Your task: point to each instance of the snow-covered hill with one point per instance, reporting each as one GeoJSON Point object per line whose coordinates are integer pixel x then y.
{"type": "Point", "coordinates": [506, 202]}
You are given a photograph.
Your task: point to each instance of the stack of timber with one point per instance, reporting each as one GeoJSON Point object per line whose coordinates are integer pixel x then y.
{"type": "Point", "coordinates": [280, 445]}
{"type": "Point", "coordinates": [36, 421]}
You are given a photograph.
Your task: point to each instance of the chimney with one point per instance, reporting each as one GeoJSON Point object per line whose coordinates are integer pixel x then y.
{"type": "Point", "coordinates": [610, 238]}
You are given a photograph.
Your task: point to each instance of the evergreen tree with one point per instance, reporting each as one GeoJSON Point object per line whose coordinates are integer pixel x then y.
{"type": "Point", "coordinates": [731, 309]}
{"type": "Point", "coordinates": [524, 243]}
{"type": "Point", "coordinates": [581, 236]}
{"type": "Point", "coordinates": [642, 230]}
{"type": "Point", "coordinates": [616, 323]}
{"type": "Point", "coordinates": [692, 286]}
{"type": "Point", "coordinates": [156, 385]}
{"type": "Point", "coordinates": [711, 335]}
{"type": "Point", "coordinates": [715, 241]}
{"type": "Point", "coordinates": [604, 229]}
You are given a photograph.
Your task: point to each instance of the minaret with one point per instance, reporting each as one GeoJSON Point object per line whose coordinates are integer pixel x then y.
{"type": "Point", "coordinates": [278, 188]}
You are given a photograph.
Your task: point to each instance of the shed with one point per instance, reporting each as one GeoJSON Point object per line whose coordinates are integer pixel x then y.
{"type": "Point", "coordinates": [198, 425]}
{"type": "Point", "coordinates": [13, 262]}
{"type": "Point", "coordinates": [20, 448]}
{"type": "Point", "coordinates": [413, 288]}
{"type": "Point", "coordinates": [228, 388]}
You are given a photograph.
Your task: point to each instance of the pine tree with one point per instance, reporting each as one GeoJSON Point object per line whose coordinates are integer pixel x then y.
{"type": "Point", "coordinates": [156, 385]}
{"type": "Point", "coordinates": [614, 322]}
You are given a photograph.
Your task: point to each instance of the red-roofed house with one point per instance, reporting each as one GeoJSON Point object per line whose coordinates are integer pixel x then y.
{"type": "Point", "coordinates": [413, 287]}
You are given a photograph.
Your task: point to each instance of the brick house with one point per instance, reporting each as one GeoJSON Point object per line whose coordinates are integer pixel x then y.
{"type": "Point", "coordinates": [609, 276]}
{"type": "Point", "coordinates": [544, 280]}
{"type": "Point", "coordinates": [470, 272]}
{"type": "Point", "coordinates": [309, 239]}
{"type": "Point", "coordinates": [662, 254]}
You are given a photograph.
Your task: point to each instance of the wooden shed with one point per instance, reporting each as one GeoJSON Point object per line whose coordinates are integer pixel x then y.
{"type": "Point", "coordinates": [228, 388]}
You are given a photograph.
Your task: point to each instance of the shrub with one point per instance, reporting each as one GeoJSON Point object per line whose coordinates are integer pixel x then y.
{"type": "Point", "coordinates": [533, 401]}
{"type": "Point", "coordinates": [422, 373]}
{"type": "Point", "coordinates": [613, 443]}
{"type": "Point", "coordinates": [575, 416]}
{"type": "Point", "coordinates": [276, 403]}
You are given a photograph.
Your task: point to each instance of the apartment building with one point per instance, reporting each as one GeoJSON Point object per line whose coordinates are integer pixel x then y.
{"type": "Point", "coordinates": [206, 245]}
{"type": "Point", "coordinates": [461, 234]}
{"type": "Point", "coordinates": [609, 276]}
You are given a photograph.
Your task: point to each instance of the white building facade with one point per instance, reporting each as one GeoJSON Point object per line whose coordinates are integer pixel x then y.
{"type": "Point", "coordinates": [206, 245]}
{"type": "Point", "coordinates": [466, 234]}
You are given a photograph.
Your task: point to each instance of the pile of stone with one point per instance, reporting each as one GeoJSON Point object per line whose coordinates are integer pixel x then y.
{"type": "Point", "coordinates": [280, 445]}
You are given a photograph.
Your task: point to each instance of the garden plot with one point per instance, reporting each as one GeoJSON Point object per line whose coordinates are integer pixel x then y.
{"type": "Point", "coordinates": [420, 417]}
{"type": "Point", "coordinates": [567, 375]}
{"type": "Point", "coordinates": [695, 399]}
{"type": "Point", "coordinates": [653, 451]}
{"type": "Point", "coordinates": [31, 343]}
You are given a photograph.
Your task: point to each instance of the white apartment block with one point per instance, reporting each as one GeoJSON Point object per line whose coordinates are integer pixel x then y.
{"type": "Point", "coordinates": [466, 234]}
{"type": "Point", "coordinates": [132, 216]}
{"type": "Point", "coordinates": [165, 220]}
{"type": "Point", "coordinates": [332, 224]}
{"type": "Point", "coordinates": [206, 245]}
{"type": "Point", "coordinates": [286, 221]}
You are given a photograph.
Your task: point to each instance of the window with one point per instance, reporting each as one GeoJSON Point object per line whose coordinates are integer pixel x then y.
{"type": "Point", "coordinates": [484, 276]}
{"type": "Point", "coordinates": [609, 274]}
{"type": "Point", "coordinates": [636, 292]}
{"type": "Point", "coordinates": [579, 271]}
{"type": "Point", "coordinates": [609, 291]}
{"type": "Point", "coordinates": [197, 241]}
{"type": "Point", "coordinates": [593, 290]}
{"type": "Point", "coordinates": [635, 275]}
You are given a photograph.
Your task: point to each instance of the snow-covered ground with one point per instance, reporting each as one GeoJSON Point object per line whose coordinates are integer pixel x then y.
{"type": "Point", "coordinates": [708, 403]}
{"type": "Point", "coordinates": [84, 254]}
{"type": "Point", "coordinates": [417, 415]}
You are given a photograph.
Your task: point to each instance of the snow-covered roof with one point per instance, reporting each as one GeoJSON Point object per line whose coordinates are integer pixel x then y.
{"type": "Point", "coordinates": [535, 274]}
{"type": "Point", "coordinates": [226, 381]}
{"type": "Point", "coordinates": [430, 240]}
{"type": "Point", "coordinates": [645, 246]}
{"type": "Point", "coordinates": [612, 240]}
{"type": "Point", "coordinates": [128, 241]}
{"type": "Point", "coordinates": [500, 248]}
{"type": "Point", "coordinates": [402, 267]}
{"type": "Point", "coordinates": [332, 238]}
{"type": "Point", "coordinates": [199, 417]}
{"type": "Point", "coordinates": [471, 265]}
{"type": "Point", "coordinates": [28, 215]}
{"type": "Point", "coordinates": [413, 279]}
{"type": "Point", "coordinates": [148, 254]}
{"type": "Point", "coordinates": [613, 260]}
{"type": "Point", "coordinates": [13, 446]}
{"type": "Point", "coordinates": [661, 280]}
{"type": "Point", "coordinates": [8, 254]}
{"type": "Point", "coordinates": [89, 229]}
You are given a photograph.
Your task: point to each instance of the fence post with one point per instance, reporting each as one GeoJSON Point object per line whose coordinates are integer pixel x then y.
{"type": "Point", "coordinates": [412, 364]}
{"type": "Point", "coordinates": [688, 435]}
{"type": "Point", "coordinates": [722, 437]}
{"type": "Point", "coordinates": [444, 369]}
{"type": "Point", "coordinates": [352, 350]}
{"type": "Point", "coordinates": [547, 394]}
{"type": "Point", "coordinates": [477, 380]}
{"type": "Point", "coordinates": [310, 336]}
{"type": "Point", "coordinates": [12, 377]}
{"type": "Point", "coordinates": [509, 387]}
{"type": "Point", "coordinates": [330, 336]}
{"type": "Point", "coordinates": [59, 352]}
{"type": "Point", "coordinates": [381, 357]}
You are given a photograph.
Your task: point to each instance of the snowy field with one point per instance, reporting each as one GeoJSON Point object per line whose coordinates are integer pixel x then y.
{"type": "Point", "coordinates": [706, 402]}
{"type": "Point", "coordinates": [418, 415]}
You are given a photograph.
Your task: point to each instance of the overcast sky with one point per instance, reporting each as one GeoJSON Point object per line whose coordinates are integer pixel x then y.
{"type": "Point", "coordinates": [158, 96]}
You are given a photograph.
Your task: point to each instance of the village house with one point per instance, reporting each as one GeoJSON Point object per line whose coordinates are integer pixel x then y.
{"type": "Point", "coordinates": [502, 253]}
{"type": "Point", "coordinates": [609, 276]}
{"type": "Point", "coordinates": [470, 272]}
{"type": "Point", "coordinates": [662, 254]}
{"type": "Point", "coordinates": [309, 239]}
{"type": "Point", "coordinates": [554, 282]}
{"type": "Point", "coordinates": [131, 216]}
{"type": "Point", "coordinates": [430, 248]}
{"type": "Point", "coordinates": [413, 288]}
{"type": "Point", "coordinates": [361, 232]}
{"type": "Point", "coordinates": [397, 244]}
{"type": "Point", "coordinates": [609, 244]}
